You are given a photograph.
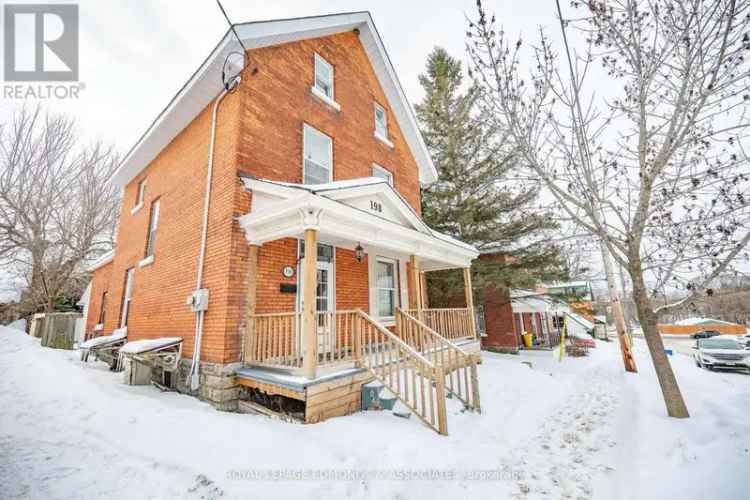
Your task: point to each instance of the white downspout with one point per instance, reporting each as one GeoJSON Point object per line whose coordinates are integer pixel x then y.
{"type": "Point", "coordinates": [193, 376]}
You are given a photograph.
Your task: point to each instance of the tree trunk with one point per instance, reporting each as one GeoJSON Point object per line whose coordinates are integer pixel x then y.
{"type": "Point", "coordinates": [670, 390]}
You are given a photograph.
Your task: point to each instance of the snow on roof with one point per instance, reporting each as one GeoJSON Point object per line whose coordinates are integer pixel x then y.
{"type": "Point", "coordinates": [103, 260]}
{"type": "Point", "coordinates": [118, 334]}
{"type": "Point", "coordinates": [205, 84]}
{"type": "Point", "coordinates": [580, 320]}
{"type": "Point", "coordinates": [141, 346]}
{"type": "Point", "coordinates": [565, 284]}
{"type": "Point", "coordinates": [699, 321]}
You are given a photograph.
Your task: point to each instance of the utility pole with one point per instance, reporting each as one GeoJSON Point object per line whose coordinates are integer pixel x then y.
{"type": "Point", "coordinates": [578, 129]}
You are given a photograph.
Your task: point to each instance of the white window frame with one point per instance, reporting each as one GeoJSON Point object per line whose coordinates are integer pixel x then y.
{"type": "Point", "coordinates": [305, 129]}
{"type": "Point", "coordinates": [319, 60]}
{"type": "Point", "coordinates": [127, 297]}
{"type": "Point", "coordinates": [376, 288]}
{"type": "Point", "coordinates": [381, 129]}
{"type": "Point", "coordinates": [379, 135]}
{"type": "Point", "coordinates": [153, 226]}
{"type": "Point", "coordinates": [384, 173]}
{"type": "Point", "coordinates": [140, 196]}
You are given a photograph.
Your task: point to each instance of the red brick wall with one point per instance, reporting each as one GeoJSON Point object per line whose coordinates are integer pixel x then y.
{"type": "Point", "coordinates": [259, 132]}
{"type": "Point", "coordinates": [100, 284]}
{"type": "Point", "coordinates": [278, 102]}
{"type": "Point", "coordinates": [498, 317]}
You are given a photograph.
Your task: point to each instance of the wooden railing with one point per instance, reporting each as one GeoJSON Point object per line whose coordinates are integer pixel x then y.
{"type": "Point", "coordinates": [275, 340]}
{"type": "Point", "coordinates": [335, 331]}
{"type": "Point", "coordinates": [451, 323]}
{"type": "Point", "coordinates": [458, 366]}
{"type": "Point", "coordinates": [417, 382]}
{"type": "Point", "coordinates": [415, 368]}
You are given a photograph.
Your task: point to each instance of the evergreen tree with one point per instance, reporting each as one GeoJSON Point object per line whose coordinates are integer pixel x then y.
{"type": "Point", "coordinates": [476, 198]}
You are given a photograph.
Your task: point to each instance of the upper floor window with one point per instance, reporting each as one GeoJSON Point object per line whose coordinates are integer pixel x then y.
{"type": "Point", "coordinates": [381, 121]}
{"type": "Point", "coordinates": [141, 193]}
{"type": "Point", "coordinates": [103, 310]}
{"type": "Point", "coordinates": [323, 76]}
{"type": "Point", "coordinates": [317, 152]}
{"type": "Point", "coordinates": [382, 173]}
{"type": "Point", "coordinates": [153, 224]}
{"type": "Point", "coordinates": [127, 297]}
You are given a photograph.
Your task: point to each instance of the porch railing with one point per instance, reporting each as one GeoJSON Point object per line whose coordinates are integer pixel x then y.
{"type": "Point", "coordinates": [275, 340]}
{"type": "Point", "coordinates": [458, 366]}
{"type": "Point", "coordinates": [453, 323]}
{"type": "Point", "coordinates": [416, 381]}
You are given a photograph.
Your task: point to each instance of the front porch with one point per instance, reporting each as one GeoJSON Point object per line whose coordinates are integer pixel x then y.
{"type": "Point", "coordinates": [314, 349]}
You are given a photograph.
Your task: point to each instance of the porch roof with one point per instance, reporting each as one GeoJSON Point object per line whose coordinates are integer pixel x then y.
{"type": "Point", "coordinates": [366, 211]}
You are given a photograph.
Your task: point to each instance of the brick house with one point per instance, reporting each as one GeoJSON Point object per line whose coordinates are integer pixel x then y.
{"type": "Point", "coordinates": [312, 145]}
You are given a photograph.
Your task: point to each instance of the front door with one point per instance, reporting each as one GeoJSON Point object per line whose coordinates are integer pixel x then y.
{"type": "Point", "coordinates": [324, 297]}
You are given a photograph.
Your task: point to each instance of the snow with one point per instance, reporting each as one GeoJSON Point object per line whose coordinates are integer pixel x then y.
{"type": "Point", "coordinates": [139, 346]}
{"type": "Point", "coordinates": [698, 321]}
{"type": "Point", "coordinates": [19, 324]}
{"type": "Point", "coordinates": [580, 428]}
{"type": "Point", "coordinates": [118, 334]}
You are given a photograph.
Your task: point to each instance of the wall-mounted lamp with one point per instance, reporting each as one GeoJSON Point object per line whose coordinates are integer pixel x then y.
{"type": "Point", "coordinates": [359, 253]}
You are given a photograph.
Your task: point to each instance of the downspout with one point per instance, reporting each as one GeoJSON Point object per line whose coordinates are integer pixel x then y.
{"type": "Point", "coordinates": [199, 298]}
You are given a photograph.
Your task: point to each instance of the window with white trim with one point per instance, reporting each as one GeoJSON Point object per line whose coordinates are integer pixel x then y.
{"type": "Point", "coordinates": [382, 173]}
{"type": "Point", "coordinates": [127, 297]}
{"type": "Point", "coordinates": [385, 285]}
{"type": "Point", "coordinates": [141, 193]}
{"type": "Point", "coordinates": [381, 121]}
{"type": "Point", "coordinates": [103, 310]}
{"type": "Point", "coordinates": [317, 150]}
{"type": "Point", "coordinates": [153, 224]}
{"type": "Point", "coordinates": [323, 76]}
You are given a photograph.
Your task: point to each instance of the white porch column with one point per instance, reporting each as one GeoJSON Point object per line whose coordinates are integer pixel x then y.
{"type": "Point", "coordinates": [309, 284]}
{"type": "Point", "coordinates": [414, 282]}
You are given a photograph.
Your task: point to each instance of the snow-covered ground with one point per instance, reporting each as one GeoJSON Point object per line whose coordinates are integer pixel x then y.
{"type": "Point", "coordinates": [579, 428]}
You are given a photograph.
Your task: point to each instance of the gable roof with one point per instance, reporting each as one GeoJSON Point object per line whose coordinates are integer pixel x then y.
{"type": "Point", "coordinates": [205, 84]}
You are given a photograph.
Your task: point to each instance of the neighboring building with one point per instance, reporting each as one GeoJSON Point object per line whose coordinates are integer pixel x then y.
{"type": "Point", "coordinates": [574, 291]}
{"type": "Point", "coordinates": [317, 148]}
{"type": "Point", "coordinates": [691, 326]}
{"type": "Point", "coordinates": [510, 313]}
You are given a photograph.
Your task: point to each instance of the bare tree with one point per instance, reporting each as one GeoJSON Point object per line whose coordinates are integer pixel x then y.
{"type": "Point", "coordinates": [57, 210]}
{"type": "Point", "coordinates": [656, 170]}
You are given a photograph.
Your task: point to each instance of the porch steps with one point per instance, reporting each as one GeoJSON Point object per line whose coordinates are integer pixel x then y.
{"type": "Point", "coordinates": [458, 365]}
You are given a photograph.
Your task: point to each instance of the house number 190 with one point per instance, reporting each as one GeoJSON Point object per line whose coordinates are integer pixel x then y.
{"type": "Point", "coordinates": [376, 206]}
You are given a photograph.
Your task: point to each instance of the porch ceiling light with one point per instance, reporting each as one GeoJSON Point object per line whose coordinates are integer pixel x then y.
{"type": "Point", "coordinates": [359, 253]}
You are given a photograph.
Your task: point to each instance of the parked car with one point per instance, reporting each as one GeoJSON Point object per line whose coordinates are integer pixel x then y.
{"type": "Point", "coordinates": [744, 339]}
{"type": "Point", "coordinates": [721, 352]}
{"type": "Point", "coordinates": [706, 334]}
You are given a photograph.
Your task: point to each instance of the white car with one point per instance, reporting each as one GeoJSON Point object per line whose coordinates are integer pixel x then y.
{"type": "Point", "coordinates": [744, 339]}
{"type": "Point", "coordinates": [721, 352]}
